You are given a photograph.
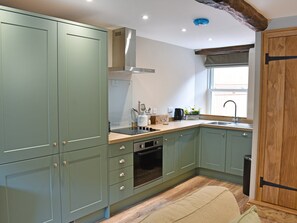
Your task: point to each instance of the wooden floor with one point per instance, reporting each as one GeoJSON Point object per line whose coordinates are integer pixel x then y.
{"type": "Point", "coordinates": [139, 211]}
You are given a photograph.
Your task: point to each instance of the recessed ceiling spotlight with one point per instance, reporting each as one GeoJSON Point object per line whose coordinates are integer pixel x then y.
{"type": "Point", "coordinates": [209, 39]}
{"type": "Point", "coordinates": [89, 0]}
{"type": "Point", "coordinates": [184, 30]}
{"type": "Point", "coordinates": [145, 17]}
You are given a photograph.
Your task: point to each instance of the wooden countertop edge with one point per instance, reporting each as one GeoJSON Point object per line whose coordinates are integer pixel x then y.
{"type": "Point", "coordinates": [166, 129]}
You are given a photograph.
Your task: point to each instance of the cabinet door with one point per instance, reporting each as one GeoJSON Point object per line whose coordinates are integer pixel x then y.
{"type": "Point", "coordinates": [170, 156]}
{"type": "Point", "coordinates": [83, 182]}
{"type": "Point", "coordinates": [213, 148]}
{"type": "Point", "coordinates": [82, 87]}
{"type": "Point", "coordinates": [186, 150]}
{"type": "Point", "coordinates": [28, 87]}
{"type": "Point", "coordinates": [239, 144]}
{"type": "Point", "coordinates": [30, 191]}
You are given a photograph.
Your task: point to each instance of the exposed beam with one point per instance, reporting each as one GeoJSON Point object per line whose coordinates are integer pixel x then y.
{"type": "Point", "coordinates": [240, 10]}
{"type": "Point", "coordinates": [225, 50]}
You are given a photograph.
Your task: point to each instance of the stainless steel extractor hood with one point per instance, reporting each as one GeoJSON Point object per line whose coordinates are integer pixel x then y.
{"type": "Point", "coordinates": [124, 52]}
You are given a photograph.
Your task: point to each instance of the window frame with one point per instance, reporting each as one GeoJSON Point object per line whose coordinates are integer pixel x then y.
{"type": "Point", "coordinates": [210, 90]}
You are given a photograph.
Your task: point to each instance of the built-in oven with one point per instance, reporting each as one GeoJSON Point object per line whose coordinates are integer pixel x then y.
{"type": "Point", "coordinates": [148, 156]}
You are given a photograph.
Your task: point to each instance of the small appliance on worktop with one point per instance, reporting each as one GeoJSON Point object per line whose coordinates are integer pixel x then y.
{"type": "Point", "coordinates": [134, 130]}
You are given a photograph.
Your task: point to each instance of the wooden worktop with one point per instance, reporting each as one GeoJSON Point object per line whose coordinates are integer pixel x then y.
{"type": "Point", "coordinates": [176, 126]}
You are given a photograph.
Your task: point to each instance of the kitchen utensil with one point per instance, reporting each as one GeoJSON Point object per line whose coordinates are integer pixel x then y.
{"type": "Point", "coordinates": [178, 114]}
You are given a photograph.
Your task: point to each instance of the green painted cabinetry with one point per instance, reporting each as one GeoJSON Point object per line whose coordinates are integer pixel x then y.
{"type": "Point", "coordinates": [30, 191]}
{"type": "Point", "coordinates": [179, 153]}
{"type": "Point", "coordinates": [213, 149]}
{"type": "Point", "coordinates": [83, 182]}
{"type": "Point", "coordinates": [239, 144]}
{"type": "Point", "coordinates": [82, 76]}
{"type": "Point", "coordinates": [28, 87]}
{"type": "Point", "coordinates": [224, 150]}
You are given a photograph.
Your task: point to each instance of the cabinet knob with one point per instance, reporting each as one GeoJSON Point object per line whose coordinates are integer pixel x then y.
{"type": "Point", "coordinates": [122, 174]}
{"type": "Point", "coordinates": [55, 165]}
{"type": "Point", "coordinates": [181, 135]}
{"type": "Point", "coordinates": [122, 188]}
{"type": "Point", "coordinates": [165, 140]}
{"type": "Point", "coordinates": [244, 134]}
{"type": "Point", "coordinates": [64, 142]}
{"type": "Point", "coordinates": [64, 162]}
{"type": "Point", "coordinates": [122, 161]}
{"type": "Point", "coordinates": [122, 147]}
{"type": "Point", "coordinates": [55, 144]}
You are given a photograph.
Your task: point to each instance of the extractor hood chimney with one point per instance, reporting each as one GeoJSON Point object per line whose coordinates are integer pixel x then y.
{"type": "Point", "coordinates": [124, 52]}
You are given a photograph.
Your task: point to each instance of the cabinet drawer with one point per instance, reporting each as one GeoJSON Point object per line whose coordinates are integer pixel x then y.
{"type": "Point", "coordinates": [120, 191]}
{"type": "Point", "coordinates": [120, 175]}
{"type": "Point", "coordinates": [120, 149]}
{"type": "Point", "coordinates": [119, 162]}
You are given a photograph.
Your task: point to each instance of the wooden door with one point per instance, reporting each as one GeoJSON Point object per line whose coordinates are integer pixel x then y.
{"type": "Point", "coordinates": [83, 182]}
{"type": "Point", "coordinates": [30, 191]}
{"type": "Point", "coordinates": [28, 87]}
{"type": "Point", "coordinates": [278, 132]}
{"type": "Point", "coordinates": [82, 70]}
{"type": "Point", "coordinates": [213, 149]}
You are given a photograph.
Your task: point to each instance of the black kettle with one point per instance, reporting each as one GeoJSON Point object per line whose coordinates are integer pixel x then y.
{"type": "Point", "coordinates": [178, 114]}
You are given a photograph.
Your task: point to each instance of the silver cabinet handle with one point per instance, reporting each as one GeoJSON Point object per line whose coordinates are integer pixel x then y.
{"type": "Point", "coordinates": [122, 174]}
{"type": "Point", "coordinates": [55, 165]}
{"type": "Point", "coordinates": [55, 144]}
{"type": "Point", "coordinates": [121, 161]}
{"type": "Point", "coordinates": [64, 162]}
{"type": "Point", "coordinates": [64, 142]}
{"type": "Point", "coordinates": [122, 188]}
{"type": "Point", "coordinates": [122, 148]}
{"type": "Point", "coordinates": [244, 134]}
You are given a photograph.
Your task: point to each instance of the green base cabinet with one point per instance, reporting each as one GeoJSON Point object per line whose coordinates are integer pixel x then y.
{"type": "Point", "coordinates": [30, 191]}
{"type": "Point", "coordinates": [213, 149]}
{"type": "Point", "coordinates": [239, 144]}
{"type": "Point", "coordinates": [224, 150]}
{"type": "Point", "coordinates": [179, 153]}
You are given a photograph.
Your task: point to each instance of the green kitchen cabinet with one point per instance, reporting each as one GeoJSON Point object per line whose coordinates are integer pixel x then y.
{"type": "Point", "coordinates": [213, 149]}
{"type": "Point", "coordinates": [82, 69]}
{"type": "Point", "coordinates": [179, 153]}
{"type": "Point", "coordinates": [170, 156]}
{"type": "Point", "coordinates": [28, 87]}
{"type": "Point", "coordinates": [186, 150]}
{"type": "Point", "coordinates": [239, 144]}
{"type": "Point", "coordinates": [83, 182]}
{"type": "Point", "coordinates": [30, 191]}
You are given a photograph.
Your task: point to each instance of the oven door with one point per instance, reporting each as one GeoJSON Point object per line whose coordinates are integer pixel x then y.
{"type": "Point", "coordinates": [147, 165]}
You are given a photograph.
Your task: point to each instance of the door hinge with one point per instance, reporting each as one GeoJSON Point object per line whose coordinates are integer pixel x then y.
{"type": "Point", "coordinates": [267, 183]}
{"type": "Point", "coordinates": [273, 58]}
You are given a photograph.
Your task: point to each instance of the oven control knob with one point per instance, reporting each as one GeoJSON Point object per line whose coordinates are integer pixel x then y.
{"type": "Point", "coordinates": [141, 146]}
{"type": "Point", "coordinates": [156, 142]}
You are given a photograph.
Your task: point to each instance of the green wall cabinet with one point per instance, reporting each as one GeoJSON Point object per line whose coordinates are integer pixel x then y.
{"type": "Point", "coordinates": [239, 144]}
{"type": "Point", "coordinates": [82, 69]}
{"type": "Point", "coordinates": [179, 153]}
{"type": "Point", "coordinates": [213, 149]}
{"type": "Point", "coordinates": [28, 87]}
{"type": "Point", "coordinates": [224, 150]}
{"type": "Point", "coordinates": [30, 191]}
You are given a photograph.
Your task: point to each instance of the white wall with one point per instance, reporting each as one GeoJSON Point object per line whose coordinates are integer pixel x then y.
{"type": "Point", "coordinates": [201, 95]}
{"type": "Point", "coordinates": [273, 24]}
{"type": "Point", "coordinates": [173, 84]}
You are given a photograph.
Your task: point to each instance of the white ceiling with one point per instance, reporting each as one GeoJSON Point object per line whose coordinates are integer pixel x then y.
{"type": "Point", "coordinates": [167, 18]}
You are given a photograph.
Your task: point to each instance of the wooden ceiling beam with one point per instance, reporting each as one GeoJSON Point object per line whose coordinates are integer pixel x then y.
{"type": "Point", "coordinates": [225, 50]}
{"type": "Point", "coordinates": [241, 11]}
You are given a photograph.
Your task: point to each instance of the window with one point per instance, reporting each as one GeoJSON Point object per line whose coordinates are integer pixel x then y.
{"type": "Point", "coordinates": [228, 83]}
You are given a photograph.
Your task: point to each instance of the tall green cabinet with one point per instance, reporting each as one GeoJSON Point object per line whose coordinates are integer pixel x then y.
{"type": "Point", "coordinates": [53, 114]}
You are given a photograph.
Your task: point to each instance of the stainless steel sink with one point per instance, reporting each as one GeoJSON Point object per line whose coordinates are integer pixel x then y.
{"type": "Point", "coordinates": [219, 123]}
